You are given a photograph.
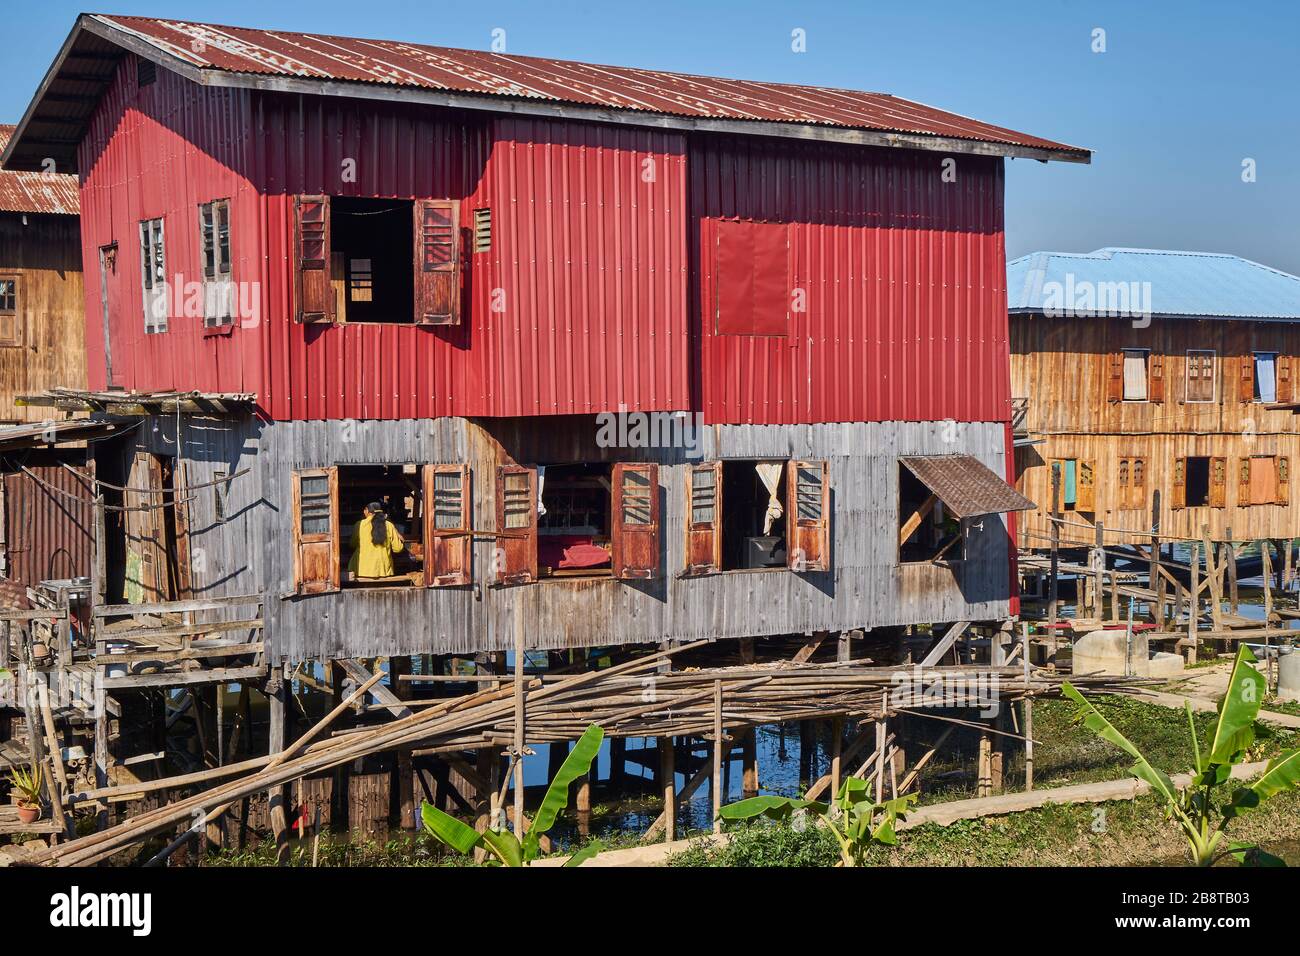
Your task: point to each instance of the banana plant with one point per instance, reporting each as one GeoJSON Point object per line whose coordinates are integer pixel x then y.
{"type": "Point", "coordinates": [853, 818]}
{"type": "Point", "coordinates": [1204, 821]}
{"type": "Point", "coordinates": [504, 846]}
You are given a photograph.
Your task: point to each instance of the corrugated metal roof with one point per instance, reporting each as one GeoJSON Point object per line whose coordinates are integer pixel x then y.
{"type": "Point", "coordinates": [966, 486]}
{"type": "Point", "coordinates": [36, 192]}
{"type": "Point", "coordinates": [1182, 284]}
{"type": "Point", "coordinates": [303, 62]}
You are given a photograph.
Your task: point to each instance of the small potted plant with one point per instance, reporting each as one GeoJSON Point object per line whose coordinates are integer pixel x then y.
{"type": "Point", "coordinates": [27, 792]}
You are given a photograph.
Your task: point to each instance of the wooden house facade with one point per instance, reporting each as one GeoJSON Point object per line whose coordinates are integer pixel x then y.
{"type": "Point", "coordinates": [622, 366]}
{"type": "Point", "coordinates": [1190, 393]}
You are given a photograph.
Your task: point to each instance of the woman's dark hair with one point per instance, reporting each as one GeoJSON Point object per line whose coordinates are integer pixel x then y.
{"type": "Point", "coordinates": [378, 523]}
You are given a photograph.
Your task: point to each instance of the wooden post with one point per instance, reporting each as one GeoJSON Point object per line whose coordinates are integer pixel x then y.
{"type": "Point", "coordinates": [519, 723]}
{"type": "Point", "coordinates": [807, 752]}
{"type": "Point", "coordinates": [1053, 590]}
{"type": "Point", "coordinates": [277, 698]}
{"type": "Point", "coordinates": [1267, 558]}
{"type": "Point", "coordinates": [718, 744]}
{"type": "Point", "coordinates": [1214, 581]}
{"type": "Point", "coordinates": [397, 666]}
{"type": "Point", "coordinates": [1098, 606]}
{"type": "Point", "coordinates": [837, 750]}
{"type": "Point", "coordinates": [101, 743]}
{"type": "Point", "coordinates": [1233, 601]}
{"type": "Point", "coordinates": [1193, 603]}
{"type": "Point", "coordinates": [984, 780]}
{"type": "Point", "coordinates": [1156, 580]}
{"type": "Point", "coordinates": [881, 737]}
{"type": "Point", "coordinates": [668, 784]}
{"type": "Point", "coordinates": [749, 763]}
{"type": "Point", "coordinates": [1028, 711]}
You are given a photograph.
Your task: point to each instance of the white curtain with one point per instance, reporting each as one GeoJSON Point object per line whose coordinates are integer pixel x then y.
{"type": "Point", "coordinates": [770, 474]}
{"type": "Point", "coordinates": [541, 481]}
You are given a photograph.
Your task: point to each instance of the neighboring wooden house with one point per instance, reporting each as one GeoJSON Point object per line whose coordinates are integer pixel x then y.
{"type": "Point", "coordinates": [466, 285]}
{"type": "Point", "coordinates": [42, 345]}
{"type": "Point", "coordinates": [1142, 370]}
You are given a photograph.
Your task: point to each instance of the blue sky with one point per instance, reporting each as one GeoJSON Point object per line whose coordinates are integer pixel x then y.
{"type": "Point", "coordinates": [1184, 92]}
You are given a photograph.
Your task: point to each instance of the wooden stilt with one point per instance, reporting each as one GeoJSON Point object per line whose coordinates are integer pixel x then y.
{"type": "Point", "coordinates": [1098, 604]}
{"type": "Point", "coordinates": [276, 697]}
{"type": "Point", "coordinates": [718, 745]}
{"type": "Point", "coordinates": [1156, 580]}
{"type": "Point", "coordinates": [519, 726]}
{"type": "Point", "coordinates": [1231, 556]}
{"type": "Point", "coordinates": [668, 785]}
{"type": "Point", "coordinates": [1193, 604]}
{"type": "Point", "coordinates": [1053, 593]}
{"type": "Point", "coordinates": [749, 763]}
{"type": "Point", "coordinates": [837, 750]}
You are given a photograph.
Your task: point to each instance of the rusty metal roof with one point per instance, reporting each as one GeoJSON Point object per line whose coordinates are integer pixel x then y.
{"type": "Point", "coordinates": [36, 192]}
{"type": "Point", "coordinates": [321, 64]}
{"type": "Point", "coordinates": [966, 486]}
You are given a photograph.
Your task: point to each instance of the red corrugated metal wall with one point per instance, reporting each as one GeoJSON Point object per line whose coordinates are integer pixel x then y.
{"type": "Point", "coordinates": [901, 274]}
{"type": "Point", "coordinates": [158, 152]}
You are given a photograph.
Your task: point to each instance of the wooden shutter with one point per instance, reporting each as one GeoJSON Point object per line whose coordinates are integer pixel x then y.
{"type": "Point", "coordinates": [181, 526]}
{"type": "Point", "coordinates": [1246, 381]}
{"type": "Point", "coordinates": [437, 262]}
{"type": "Point", "coordinates": [1283, 480]}
{"type": "Point", "coordinates": [1218, 482]}
{"type": "Point", "coordinates": [1243, 483]}
{"type": "Point", "coordinates": [704, 519]}
{"type": "Point", "coordinates": [448, 539]}
{"type": "Point", "coordinates": [1138, 483]}
{"type": "Point", "coordinates": [516, 506]}
{"type": "Point", "coordinates": [316, 530]}
{"type": "Point", "coordinates": [807, 515]}
{"type": "Point", "coordinates": [1156, 378]}
{"type": "Point", "coordinates": [311, 247]}
{"type": "Point", "coordinates": [147, 579]}
{"type": "Point", "coordinates": [1285, 376]}
{"type": "Point", "coordinates": [1179, 497]}
{"type": "Point", "coordinates": [1085, 485]}
{"type": "Point", "coordinates": [636, 521]}
{"type": "Point", "coordinates": [1122, 480]}
{"type": "Point", "coordinates": [1115, 377]}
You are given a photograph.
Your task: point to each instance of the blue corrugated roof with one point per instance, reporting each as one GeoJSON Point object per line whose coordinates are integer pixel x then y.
{"type": "Point", "coordinates": [1189, 284]}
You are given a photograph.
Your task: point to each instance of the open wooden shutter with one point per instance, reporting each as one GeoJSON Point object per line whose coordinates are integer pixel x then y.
{"type": "Point", "coordinates": [1243, 482]}
{"type": "Point", "coordinates": [1085, 485]}
{"type": "Point", "coordinates": [1246, 381]}
{"type": "Point", "coordinates": [437, 262]}
{"type": "Point", "coordinates": [1179, 497]}
{"type": "Point", "coordinates": [1283, 480]}
{"type": "Point", "coordinates": [704, 519]}
{"type": "Point", "coordinates": [147, 579]}
{"type": "Point", "coordinates": [1218, 482]}
{"type": "Point", "coordinates": [1285, 378]}
{"type": "Point", "coordinates": [636, 521]}
{"type": "Point", "coordinates": [1115, 377]}
{"type": "Point", "coordinates": [311, 265]}
{"type": "Point", "coordinates": [516, 505]}
{"type": "Point", "coordinates": [316, 530]}
{"type": "Point", "coordinates": [448, 539]}
{"type": "Point", "coordinates": [181, 525]}
{"type": "Point", "coordinates": [807, 515]}
{"type": "Point", "coordinates": [1156, 378]}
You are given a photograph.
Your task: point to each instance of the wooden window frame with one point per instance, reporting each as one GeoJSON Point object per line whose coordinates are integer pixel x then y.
{"type": "Point", "coordinates": [448, 551]}
{"type": "Point", "coordinates": [703, 538]}
{"type": "Point", "coordinates": [331, 539]}
{"type": "Point", "coordinates": [312, 283]}
{"type": "Point", "coordinates": [215, 264]}
{"type": "Point", "coordinates": [1214, 376]}
{"type": "Point", "coordinates": [437, 262]}
{"type": "Point", "coordinates": [153, 288]}
{"type": "Point", "coordinates": [13, 337]}
{"type": "Point", "coordinates": [634, 554]}
{"type": "Point", "coordinates": [808, 542]}
{"type": "Point", "coordinates": [516, 557]}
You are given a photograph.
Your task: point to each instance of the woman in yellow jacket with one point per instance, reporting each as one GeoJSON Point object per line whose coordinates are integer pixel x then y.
{"type": "Point", "coordinates": [374, 542]}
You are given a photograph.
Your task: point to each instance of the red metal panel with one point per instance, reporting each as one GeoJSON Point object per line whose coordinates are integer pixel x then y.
{"type": "Point", "coordinates": [752, 278]}
{"type": "Point", "coordinates": [50, 534]}
{"type": "Point", "coordinates": [900, 275]}
{"type": "Point", "coordinates": [393, 63]}
{"type": "Point", "coordinates": [36, 192]}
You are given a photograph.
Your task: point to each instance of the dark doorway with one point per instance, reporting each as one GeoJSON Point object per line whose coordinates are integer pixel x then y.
{"type": "Point", "coordinates": [745, 500]}
{"type": "Point", "coordinates": [1198, 482]}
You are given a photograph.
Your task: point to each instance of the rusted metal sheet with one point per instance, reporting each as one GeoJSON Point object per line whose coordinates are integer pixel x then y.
{"type": "Point", "coordinates": [894, 304]}
{"type": "Point", "coordinates": [36, 192]}
{"type": "Point", "coordinates": [49, 520]}
{"type": "Point", "coordinates": [966, 486]}
{"type": "Point", "coordinates": [410, 65]}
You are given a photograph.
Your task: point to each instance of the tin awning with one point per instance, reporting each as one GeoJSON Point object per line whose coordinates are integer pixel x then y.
{"type": "Point", "coordinates": [966, 486]}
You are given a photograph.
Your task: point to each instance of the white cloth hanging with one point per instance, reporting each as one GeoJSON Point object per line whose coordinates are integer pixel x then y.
{"type": "Point", "coordinates": [541, 482]}
{"type": "Point", "coordinates": [769, 472]}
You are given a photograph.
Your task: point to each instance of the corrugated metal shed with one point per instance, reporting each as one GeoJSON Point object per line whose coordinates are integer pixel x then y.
{"type": "Point", "coordinates": [301, 62]}
{"type": "Point", "coordinates": [49, 519]}
{"type": "Point", "coordinates": [36, 192]}
{"type": "Point", "coordinates": [1182, 284]}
